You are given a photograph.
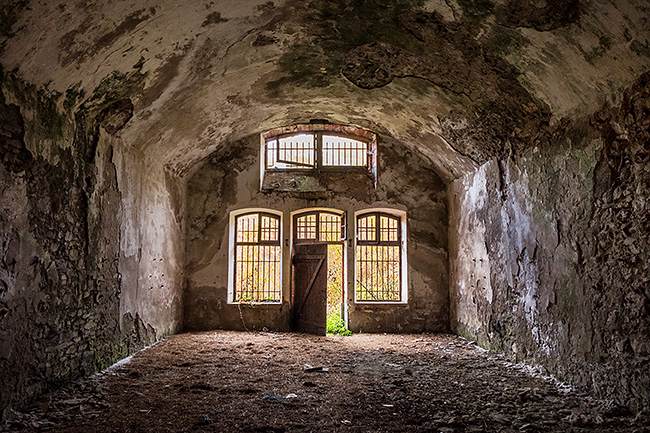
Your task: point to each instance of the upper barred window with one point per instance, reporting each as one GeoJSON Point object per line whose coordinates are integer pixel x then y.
{"type": "Point", "coordinates": [316, 150]}
{"type": "Point", "coordinates": [312, 150]}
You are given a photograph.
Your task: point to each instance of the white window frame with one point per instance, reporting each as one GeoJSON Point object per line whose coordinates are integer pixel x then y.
{"type": "Point", "coordinates": [232, 236]}
{"type": "Point", "coordinates": [403, 254]}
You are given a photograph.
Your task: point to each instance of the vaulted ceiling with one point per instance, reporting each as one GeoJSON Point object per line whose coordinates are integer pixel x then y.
{"type": "Point", "coordinates": [459, 80]}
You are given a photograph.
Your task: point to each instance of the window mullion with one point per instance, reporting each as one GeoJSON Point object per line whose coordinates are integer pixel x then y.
{"type": "Point", "coordinates": [399, 232]}
{"type": "Point", "coordinates": [318, 141]}
{"type": "Point", "coordinates": [377, 228]}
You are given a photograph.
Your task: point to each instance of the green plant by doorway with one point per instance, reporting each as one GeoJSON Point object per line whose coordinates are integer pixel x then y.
{"type": "Point", "coordinates": [336, 325]}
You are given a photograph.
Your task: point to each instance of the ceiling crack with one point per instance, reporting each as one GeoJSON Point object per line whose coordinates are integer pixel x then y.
{"type": "Point", "coordinates": [244, 36]}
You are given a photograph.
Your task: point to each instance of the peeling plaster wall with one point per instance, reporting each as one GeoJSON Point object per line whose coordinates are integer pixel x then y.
{"type": "Point", "coordinates": [70, 304]}
{"type": "Point", "coordinates": [229, 180]}
{"type": "Point", "coordinates": [549, 253]}
{"type": "Point", "coordinates": [151, 247]}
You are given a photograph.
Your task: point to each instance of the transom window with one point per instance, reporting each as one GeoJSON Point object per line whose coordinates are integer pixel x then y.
{"type": "Point", "coordinates": [258, 266]}
{"type": "Point", "coordinates": [319, 226]}
{"type": "Point", "coordinates": [378, 258]}
{"type": "Point", "coordinates": [315, 150]}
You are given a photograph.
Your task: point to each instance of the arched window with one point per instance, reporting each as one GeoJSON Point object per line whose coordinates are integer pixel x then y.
{"type": "Point", "coordinates": [379, 258]}
{"type": "Point", "coordinates": [319, 226]}
{"type": "Point", "coordinates": [257, 258]}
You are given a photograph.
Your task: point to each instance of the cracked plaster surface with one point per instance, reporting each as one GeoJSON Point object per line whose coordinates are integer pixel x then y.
{"type": "Point", "coordinates": [206, 78]}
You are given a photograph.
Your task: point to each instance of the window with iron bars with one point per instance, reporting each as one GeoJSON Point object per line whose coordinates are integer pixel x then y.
{"type": "Point", "coordinates": [320, 150]}
{"type": "Point", "coordinates": [258, 258]}
{"type": "Point", "coordinates": [378, 258]}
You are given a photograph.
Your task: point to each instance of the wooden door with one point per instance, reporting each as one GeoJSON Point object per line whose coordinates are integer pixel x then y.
{"type": "Point", "coordinates": [310, 288]}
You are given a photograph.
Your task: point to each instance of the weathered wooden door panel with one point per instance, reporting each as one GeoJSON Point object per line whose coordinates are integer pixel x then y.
{"type": "Point", "coordinates": [310, 288]}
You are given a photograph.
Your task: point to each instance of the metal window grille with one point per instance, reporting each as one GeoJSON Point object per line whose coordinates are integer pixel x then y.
{"type": "Point", "coordinates": [342, 152]}
{"type": "Point", "coordinates": [314, 151]}
{"type": "Point", "coordinates": [306, 227]}
{"type": "Point", "coordinates": [330, 227]}
{"type": "Point", "coordinates": [378, 258]}
{"type": "Point", "coordinates": [258, 267]}
{"type": "Point", "coordinates": [319, 227]}
{"type": "Point", "coordinates": [294, 151]}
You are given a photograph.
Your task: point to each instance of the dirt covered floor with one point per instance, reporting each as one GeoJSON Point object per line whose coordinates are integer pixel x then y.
{"type": "Point", "coordinates": [262, 382]}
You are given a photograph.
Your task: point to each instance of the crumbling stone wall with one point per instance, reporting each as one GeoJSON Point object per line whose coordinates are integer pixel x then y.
{"type": "Point", "coordinates": [61, 220]}
{"type": "Point", "coordinates": [229, 180]}
{"type": "Point", "coordinates": [549, 252]}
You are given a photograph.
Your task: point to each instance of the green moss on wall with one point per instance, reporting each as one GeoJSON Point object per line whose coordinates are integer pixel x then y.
{"type": "Point", "coordinates": [476, 9]}
{"type": "Point", "coordinates": [641, 49]}
{"type": "Point", "coordinates": [504, 40]}
{"type": "Point", "coordinates": [72, 96]}
{"type": "Point", "coordinates": [604, 44]}
{"type": "Point", "coordinates": [116, 86]}
{"type": "Point", "coordinates": [333, 27]}
{"type": "Point", "coordinates": [8, 16]}
{"type": "Point", "coordinates": [78, 116]}
{"type": "Point", "coordinates": [48, 123]}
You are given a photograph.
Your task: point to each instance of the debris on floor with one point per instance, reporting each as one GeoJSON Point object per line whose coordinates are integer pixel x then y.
{"type": "Point", "coordinates": [309, 369]}
{"type": "Point", "coordinates": [220, 381]}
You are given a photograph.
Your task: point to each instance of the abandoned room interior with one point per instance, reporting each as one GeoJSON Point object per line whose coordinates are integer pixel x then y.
{"type": "Point", "coordinates": [461, 185]}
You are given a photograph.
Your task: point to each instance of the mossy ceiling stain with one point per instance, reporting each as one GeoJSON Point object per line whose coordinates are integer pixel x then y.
{"type": "Point", "coordinates": [412, 69]}
{"type": "Point", "coordinates": [334, 27]}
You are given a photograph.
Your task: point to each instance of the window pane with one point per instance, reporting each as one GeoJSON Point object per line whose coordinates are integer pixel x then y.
{"type": "Point", "coordinates": [330, 227]}
{"type": "Point", "coordinates": [306, 227]}
{"type": "Point", "coordinates": [270, 228]}
{"type": "Point", "coordinates": [388, 229]}
{"type": "Point", "coordinates": [258, 269]}
{"type": "Point", "coordinates": [296, 151]}
{"type": "Point", "coordinates": [247, 228]}
{"type": "Point", "coordinates": [378, 261]}
{"type": "Point", "coordinates": [339, 151]}
{"type": "Point", "coordinates": [271, 153]}
{"type": "Point", "coordinates": [378, 273]}
{"type": "Point", "coordinates": [366, 228]}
